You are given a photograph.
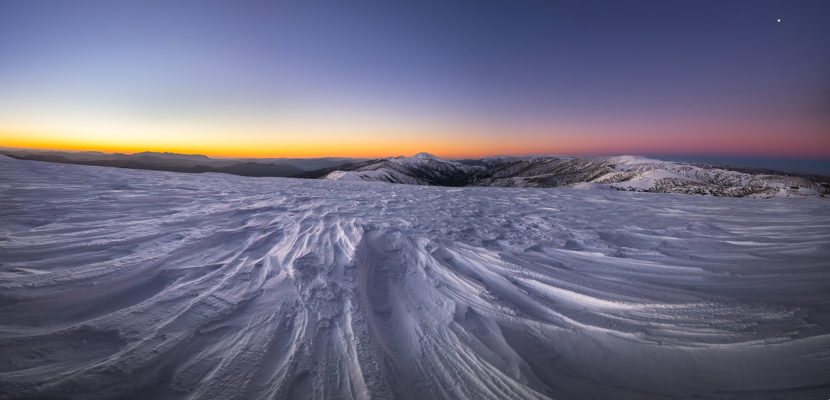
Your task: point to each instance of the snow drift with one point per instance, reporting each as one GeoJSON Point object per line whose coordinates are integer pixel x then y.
{"type": "Point", "coordinates": [139, 284]}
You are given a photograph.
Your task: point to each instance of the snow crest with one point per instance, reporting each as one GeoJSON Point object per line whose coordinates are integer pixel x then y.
{"type": "Point", "coordinates": [141, 284]}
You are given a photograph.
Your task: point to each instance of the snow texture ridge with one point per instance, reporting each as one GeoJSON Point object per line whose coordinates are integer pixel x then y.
{"type": "Point", "coordinates": [141, 284]}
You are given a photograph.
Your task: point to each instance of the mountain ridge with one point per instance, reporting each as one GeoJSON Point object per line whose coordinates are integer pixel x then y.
{"type": "Point", "coordinates": [627, 172]}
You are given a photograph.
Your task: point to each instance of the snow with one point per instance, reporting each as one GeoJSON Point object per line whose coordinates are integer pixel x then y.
{"type": "Point", "coordinates": [143, 284]}
{"type": "Point", "coordinates": [420, 169]}
{"type": "Point", "coordinates": [631, 173]}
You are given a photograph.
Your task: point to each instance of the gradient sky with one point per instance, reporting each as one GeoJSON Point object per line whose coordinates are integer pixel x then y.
{"type": "Point", "coordinates": [380, 78]}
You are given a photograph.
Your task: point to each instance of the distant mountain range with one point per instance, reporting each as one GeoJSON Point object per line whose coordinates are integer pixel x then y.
{"type": "Point", "coordinates": [191, 163]}
{"type": "Point", "coordinates": [629, 173]}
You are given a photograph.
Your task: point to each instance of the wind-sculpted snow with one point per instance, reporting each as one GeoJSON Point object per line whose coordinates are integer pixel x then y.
{"type": "Point", "coordinates": [139, 284]}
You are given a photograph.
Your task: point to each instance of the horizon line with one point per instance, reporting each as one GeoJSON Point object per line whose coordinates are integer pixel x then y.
{"type": "Point", "coordinates": [745, 156]}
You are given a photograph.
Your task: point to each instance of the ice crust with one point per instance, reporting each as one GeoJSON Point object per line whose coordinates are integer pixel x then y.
{"type": "Point", "coordinates": [140, 284]}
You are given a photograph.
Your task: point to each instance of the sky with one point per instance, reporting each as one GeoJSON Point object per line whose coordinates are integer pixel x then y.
{"type": "Point", "coordinates": [383, 78]}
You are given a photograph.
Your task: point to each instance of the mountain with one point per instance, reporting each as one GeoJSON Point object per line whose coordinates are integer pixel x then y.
{"type": "Point", "coordinates": [631, 173]}
{"type": "Point", "coordinates": [126, 284]}
{"type": "Point", "coordinates": [420, 169]}
{"type": "Point", "coordinates": [190, 163]}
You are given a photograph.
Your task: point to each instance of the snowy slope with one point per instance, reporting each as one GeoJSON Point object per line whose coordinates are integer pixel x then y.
{"type": "Point", "coordinates": [640, 173]}
{"type": "Point", "coordinates": [139, 284]}
{"type": "Point", "coordinates": [420, 169]}
{"type": "Point", "coordinates": [632, 173]}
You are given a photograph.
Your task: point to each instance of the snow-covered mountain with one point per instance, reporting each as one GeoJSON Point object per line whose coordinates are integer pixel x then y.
{"type": "Point", "coordinates": [420, 169]}
{"type": "Point", "coordinates": [136, 284]}
{"type": "Point", "coordinates": [622, 173]}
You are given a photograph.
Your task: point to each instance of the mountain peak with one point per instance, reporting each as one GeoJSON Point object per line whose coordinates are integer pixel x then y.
{"type": "Point", "coordinates": [171, 155]}
{"type": "Point", "coordinates": [426, 155]}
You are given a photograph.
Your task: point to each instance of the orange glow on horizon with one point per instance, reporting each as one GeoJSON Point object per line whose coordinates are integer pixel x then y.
{"type": "Point", "coordinates": [310, 148]}
{"type": "Point", "coordinates": [448, 145]}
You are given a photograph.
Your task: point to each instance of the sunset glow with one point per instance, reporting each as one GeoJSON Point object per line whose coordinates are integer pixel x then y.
{"type": "Point", "coordinates": [358, 81]}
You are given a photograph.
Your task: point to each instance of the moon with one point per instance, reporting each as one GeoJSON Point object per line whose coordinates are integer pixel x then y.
{"type": "Point", "coordinates": [779, 19]}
